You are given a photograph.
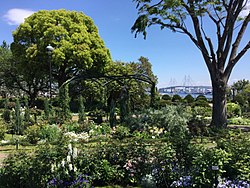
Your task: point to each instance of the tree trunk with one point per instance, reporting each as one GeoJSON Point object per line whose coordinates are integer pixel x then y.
{"type": "Point", "coordinates": [219, 114]}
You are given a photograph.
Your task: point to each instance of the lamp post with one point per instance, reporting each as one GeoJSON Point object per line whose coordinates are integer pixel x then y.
{"type": "Point", "coordinates": [215, 169]}
{"type": "Point", "coordinates": [50, 49]}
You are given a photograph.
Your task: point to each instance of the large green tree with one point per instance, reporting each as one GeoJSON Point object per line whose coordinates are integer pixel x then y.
{"type": "Point", "coordinates": [221, 49]}
{"type": "Point", "coordinates": [74, 37]}
{"type": "Point", "coordinates": [134, 84]}
{"type": "Point", "coordinates": [5, 64]}
{"type": "Point", "coordinates": [240, 85]}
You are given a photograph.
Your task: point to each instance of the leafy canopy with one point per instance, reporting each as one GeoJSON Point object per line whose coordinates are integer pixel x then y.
{"type": "Point", "coordinates": [77, 44]}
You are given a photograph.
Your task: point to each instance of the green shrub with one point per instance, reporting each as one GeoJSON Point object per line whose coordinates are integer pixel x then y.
{"type": "Point", "coordinates": [189, 99]}
{"type": "Point", "coordinates": [201, 98]}
{"type": "Point", "coordinates": [2, 102]}
{"type": "Point", "coordinates": [50, 133]}
{"type": "Point", "coordinates": [164, 161]}
{"type": "Point", "coordinates": [33, 134]}
{"type": "Point", "coordinates": [176, 98]}
{"type": "Point", "coordinates": [39, 102]}
{"type": "Point", "coordinates": [97, 130]}
{"type": "Point", "coordinates": [115, 163]}
{"type": "Point", "coordinates": [121, 132]}
{"type": "Point", "coordinates": [238, 146]}
{"type": "Point", "coordinates": [71, 127]}
{"type": "Point", "coordinates": [202, 173]}
{"type": "Point", "coordinates": [201, 117]}
{"type": "Point", "coordinates": [6, 115]}
{"type": "Point", "coordinates": [166, 97]}
{"type": "Point", "coordinates": [81, 110]}
{"type": "Point", "coordinates": [202, 101]}
{"type": "Point", "coordinates": [164, 103]}
{"type": "Point", "coordinates": [3, 129]}
{"type": "Point", "coordinates": [25, 169]}
{"type": "Point", "coordinates": [233, 110]}
{"type": "Point", "coordinates": [239, 121]}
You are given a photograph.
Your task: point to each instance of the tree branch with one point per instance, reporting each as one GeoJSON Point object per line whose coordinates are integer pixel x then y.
{"type": "Point", "coordinates": [233, 13]}
{"type": "Point", "coordinates": [211, 48]}
{"type": "Point", "coordinates": [236, 59]}
{"type": "Point", "coordinates": [239, 38]}
{"type": "Point", "coordinates": [197, 29]}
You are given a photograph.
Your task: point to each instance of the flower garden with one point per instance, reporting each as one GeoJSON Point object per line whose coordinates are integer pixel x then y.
{"type": "Point", "coordinates": [72, 117]}
{"type": "Point", "coordinates": [154, 148]}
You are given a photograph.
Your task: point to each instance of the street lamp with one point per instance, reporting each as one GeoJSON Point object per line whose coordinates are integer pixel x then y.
{"type": "Point", "coordinates": [215, 169]}
{"type": "Point", "coordinates": [50, 49]}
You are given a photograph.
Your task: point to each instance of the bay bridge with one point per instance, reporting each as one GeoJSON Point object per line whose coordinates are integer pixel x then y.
{"type": "Point", "coordinates": [187, 88]}
{"type": "Point", "coordinates": [202, 90]}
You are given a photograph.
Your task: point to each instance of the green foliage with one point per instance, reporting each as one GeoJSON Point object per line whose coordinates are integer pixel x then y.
{"type": "Point", "coordinates": [17, 118]}
{"type": "Point", "coordinates": [132, 162]}
{"type": "Point", "coordinates": [5, 76]}
{"type": "Point", "coordinates": [233, 110]}
{"type": "Point", "coordinates": [124, 163]}
{"type": "Point", "coordinates": [238, 146]}
{"type": "Point", "coordinates": [77, 45]}
{"type": "Point", "coordinates": [201, 97]}
{"type": "Point", "coordinates": [50, 133]}
{"type": "Point", "coordinates": [33, 134]}
{"type": "Point", "coordinates": [165, 165]}
{"type": "Point", "coordinates": [189, 99]}
{"type": "Point", "coordinates": [23, 169]}
{"type": "Point", "coordinates": [166, 97]}
{"type": "Point", "coordinates": [240, 85]}
{"type": "Point", "coordinates": [81, 110]}
{"type": "Point", "coordinates": [240, 99]}
{"type": "Point", "coordinates": [201, 117]}
{"type": "Point", "coordinates": [6, 115]}
{"type": "Point", "coordinates": [6, 112]}
{"type": "Point", "coordinates": [99, 130]}
{"type": "Point", "coordinates": [176, 98]}
{"type": "Point", "coordinates": [175, 15]}
{"type": "Point", "coordinates": [3, 129]}
{"type": "Point", "coordinates": [204, 159]}
{"type": "Point", "coordinates": [46, 109]}
{"type": "Point", "coordinates": [27, 110]}
{"type": "Point", "coordinates": [171, 120]}
{"type": "Point", "coordinates": [133, 91]}
{"type": "Point", "coordinates": [64, 99]}
{"type": "Point", "coordinates": [121, 132]}
{"type": "Point", "coordinates": [112, 117]}
{"type": "Point", "coordinates": [239, 121]}
{"type": "Point", "coordinates": [202, 101]}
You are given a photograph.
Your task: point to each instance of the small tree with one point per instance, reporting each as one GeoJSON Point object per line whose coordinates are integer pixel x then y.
{"type": "Point", "coordinates": [112, 118]}
{"type": "Point", "coordinates": [6, 112]}
{"type": "Point", "coordinates": [64, 100]}
{"type": "Point", "coordinates": [166, 97]}
{"type": "Point", "coordinates": [27, 111]}
{"type": "Point", "coordinates": [81, 111]}
{"type": "Point", "coordinates": [124, 98]}
{"type": "Point", "coordinates": [17, 121]}
{"type": "Point", "coordinates": [18, 118]}
{"type": "Point", "coordinates": [176, 98]}
{"type": "Point", "coordinates": [47, 111]}
{"type": "Point", "coordinates": [189, 99]}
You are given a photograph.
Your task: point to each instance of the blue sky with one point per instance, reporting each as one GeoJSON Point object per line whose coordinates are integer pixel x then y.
{"type": "Point", "coordinates": [173, 56]}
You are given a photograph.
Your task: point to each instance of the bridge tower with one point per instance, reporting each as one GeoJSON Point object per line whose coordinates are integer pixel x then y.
{"type": "Point", "coordinates": [187, 81]}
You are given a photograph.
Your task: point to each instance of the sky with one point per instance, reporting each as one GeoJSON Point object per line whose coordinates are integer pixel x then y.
{"type": "Point", "coordinates": [174, 58]}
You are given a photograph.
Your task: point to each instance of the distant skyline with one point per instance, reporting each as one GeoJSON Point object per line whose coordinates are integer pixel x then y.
{"type": "Point", "coordinates": [173, 56]}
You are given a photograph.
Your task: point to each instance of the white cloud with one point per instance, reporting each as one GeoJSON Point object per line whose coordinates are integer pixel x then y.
{"type": "Point", "coordinates": [16, 16]}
